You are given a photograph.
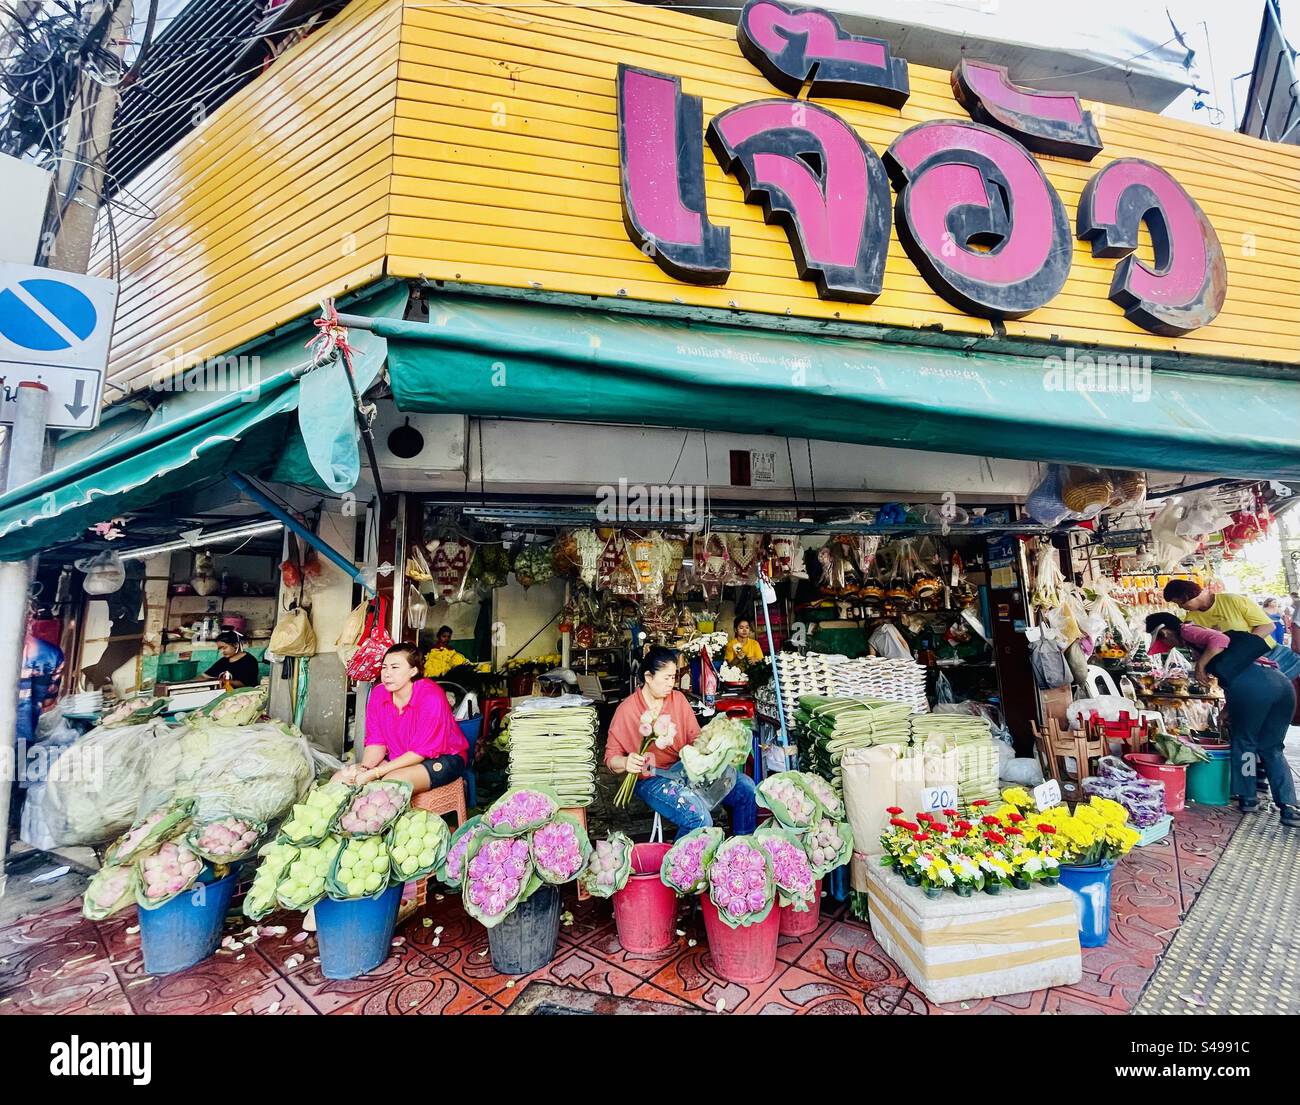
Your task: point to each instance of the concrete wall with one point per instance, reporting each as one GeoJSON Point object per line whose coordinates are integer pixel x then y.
{"type": "Point", "coordinates": [517, 614]}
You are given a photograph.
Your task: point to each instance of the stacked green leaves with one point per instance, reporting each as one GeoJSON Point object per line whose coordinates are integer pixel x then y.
{"type": "Point", "coordinates": [831, 726]}
{"type": "Point", "coordinates": [555, 749]}
{"type": "Point", "coordinates": [977, 751]}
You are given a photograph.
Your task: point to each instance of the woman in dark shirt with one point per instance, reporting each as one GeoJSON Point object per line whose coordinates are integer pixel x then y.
{"type": "Point", "coordinates": [236, 666]}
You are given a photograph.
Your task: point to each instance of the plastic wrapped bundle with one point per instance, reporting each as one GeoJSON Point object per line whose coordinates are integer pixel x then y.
{"type": "Point", "coordinates": [1143, 798]}
{"type": "Point", "coordinates": [256, 771]}
{"type": "Point", "coordinates": [830, 727]}
{"type": "Point", "coordinates": [92, 791]}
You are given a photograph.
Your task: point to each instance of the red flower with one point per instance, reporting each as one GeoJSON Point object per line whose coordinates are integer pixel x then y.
{"type": "Point", "coordinates": [925, 817]}
{"type": "Point", "coordinates": [910, 826]}
{"type": "Point", "coordinates": [1050, 830]}
{"type": "Point", "coordinates": [1013, 831]}
{"type": "Point", "coordinates": [996, 838]}
{"type": "Point", "coordinates": [965, 825]}
{"type": "Point", "coordinates": [895, 810]}
{"type": "Point", "coordinates": [950, 813]}
{"type": "Point", "coordinates": [1015, 818]}
{"type": "Point", "coordinates": [897, 822]}
{"type": "Point", "coordinates": [921, 836]}
{"type": "Point", "coordinates": [980, 804]}
{"type": "Point", "coordinates": [988, 819]}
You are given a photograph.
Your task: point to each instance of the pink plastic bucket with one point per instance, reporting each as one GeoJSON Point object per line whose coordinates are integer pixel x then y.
{"type": "Point", "coordinates": [1151, 765]}
{"type": "Point", "coordinates": [745, 955]}
{"type": "Point", "coordinates": [801, 924]}
{"type": "Point", "coordinates": [645, 911]}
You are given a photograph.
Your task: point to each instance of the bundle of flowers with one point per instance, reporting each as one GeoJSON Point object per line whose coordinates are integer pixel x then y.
{"type": "Point", "coordinates": [1096, 832]}
{"type": "Point", "coordinates": [498, 876]}
{"type": "Point", "coordinates": [149, 831]}
{"type": "Point", "coordinates": [788, 797]}
{"type": "Point", "coordinates": [686, 865]}
{"type": "Point", "coordinates": [609, 866]}
{"type": "Point", "coordinates": [309, 821]}
{"type": "Point", "coordinates": [741, 883]}
{"type": "Point", "coordinates": [112, 889]}
{"type": "Point", "coordinates": [796, 881]}
{"type": "Point", "coordinates": [452, 870]}
{"type": "Point", "coordinates": [165, 873]}
{"type": "Point", "coordinates": [261, 897]}
{"type": "Point", "coordinates": [714, 643]}
{"type": "Point", "coordinates": [417, 844]}
{"type": "Point", "coordinates": [374, 808]}
{"type": "Point", "coordinates": [520, 811]}
{"type": "Point", "coordinates": [725, 742]}
{"type": "Point", "coordinates": [226, 840]}
{"type": "Point", "coordinates": [303, 884]}
{"type": "Point", "coordinates": [824, 793]}
{"type": "Point", "coordinates": [361, 869]}
{"type": "Point", "coordinates": [828, 844]}
{"type": "Point", "coordinates": [560, 849]}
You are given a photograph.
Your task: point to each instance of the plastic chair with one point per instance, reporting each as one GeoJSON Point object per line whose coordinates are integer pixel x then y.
{"type": "Point", "coordinates": [444, 800]}
{"type": "Point", "coordinates": [1099, 682]}
{"type": "Point", "coordinates": [470, 728]}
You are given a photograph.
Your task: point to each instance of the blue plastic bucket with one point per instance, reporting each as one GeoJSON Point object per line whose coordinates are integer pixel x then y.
{"type": "Point", "coordinates": [525, 941]}
{"type": "Point", "coordinates": [356, 936]}
{"type": "Point", "coordinates": [1091, 889]}
{"type": "Point", "coordinates": [186, 930]}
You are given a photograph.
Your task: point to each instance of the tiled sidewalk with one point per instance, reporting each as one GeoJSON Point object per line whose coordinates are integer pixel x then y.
{"type": "Point", "coordinates": [61, 963]}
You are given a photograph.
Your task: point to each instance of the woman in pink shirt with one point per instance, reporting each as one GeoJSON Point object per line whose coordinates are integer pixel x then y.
{"type": "Point", "coordinates": [411, 735]}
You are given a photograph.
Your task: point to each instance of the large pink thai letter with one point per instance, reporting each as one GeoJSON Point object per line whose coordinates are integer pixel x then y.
{"type": "Point", "coordinates": [978, 218]}
{"type": "Point", "coordinates": [789, 44]}
{"type": "Point", "coordinates": [1187, 286]}
{"type": "Point", "coordinates": [1046, 122]}
{"type": "Point", "coordinates": [661, 162]}
{"type": "Point", "coordinates": [815, 177]}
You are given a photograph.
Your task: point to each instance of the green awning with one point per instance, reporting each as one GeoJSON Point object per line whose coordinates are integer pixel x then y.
{"type": "Point", "coordinates": [504, 359]}
{"type": "Point", "coordinates": [287, 423]}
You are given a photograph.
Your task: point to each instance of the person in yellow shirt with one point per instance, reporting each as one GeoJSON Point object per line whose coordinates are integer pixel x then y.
{"type": "Point", "coordinates": [442, 658]}
{"type": "Point", "coordinates": [742, 649]}
{"type": "Point", "coordinates": [1226, 612]}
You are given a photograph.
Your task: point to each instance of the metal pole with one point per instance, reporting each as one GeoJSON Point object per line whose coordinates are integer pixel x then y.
{"type": "Point", "coordinates": [26, 458]}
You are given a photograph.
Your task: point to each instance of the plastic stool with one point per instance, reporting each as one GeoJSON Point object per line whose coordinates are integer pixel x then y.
{"type": "Point", "coordinates": [440, 800]}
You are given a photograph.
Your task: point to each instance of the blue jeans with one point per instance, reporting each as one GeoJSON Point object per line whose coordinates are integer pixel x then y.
{"type": "Point", "coordinates": [1288, 663]}
{"type": "Point", "coordinates": [671, 795]}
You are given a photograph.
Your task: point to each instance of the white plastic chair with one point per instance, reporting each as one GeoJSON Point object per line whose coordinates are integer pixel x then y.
{"type": "Point", "coordinates": [1099, 682]}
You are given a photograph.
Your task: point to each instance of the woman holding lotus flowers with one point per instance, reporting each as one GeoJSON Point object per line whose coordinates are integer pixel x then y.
{"type": "Point", "coordinates": [646, 736]}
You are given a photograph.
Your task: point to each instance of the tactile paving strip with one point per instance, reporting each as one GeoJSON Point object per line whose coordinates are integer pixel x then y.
{"type": "Point", "coordinates": [1238, 951]}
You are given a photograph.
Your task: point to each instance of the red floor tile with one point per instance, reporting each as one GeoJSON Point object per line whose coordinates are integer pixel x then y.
{"type": "Point", "coordinates": [849, 954]}
{"type": "Point", "coordinates": [579, 969]}
{"type": "Point", "coordinates": [277, 998]}
{"type": "Point", "coordinates": [653, 993]}
{"type": "Point", "coordinates": [692, 978]}
{"type": "Point", "coordinates": [797, 992]}
{"type": "Point", "coordinates": [328, 995]}
{"type": "Point", "coordinates": [437, 994]}
{"type": "Point", "coordinates": [914, 1002]}
{"type": "Point", "coordinates": [1064, 1001]}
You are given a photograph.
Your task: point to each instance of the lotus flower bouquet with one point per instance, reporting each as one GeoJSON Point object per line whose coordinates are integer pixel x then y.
{"type": "Point", "coordinates": [788, 797]}
{"type": "Point", "coordinates": [741, 882]}
{"type": "Point", "coordinates": [111, 889]}
{"type": "Point", "coordinates": [725, 742]}
{"type": "Point", "coordinates": [303, 884]}
{"type": "Point", "coordinates": [518, 812]}
{"type": "Point", "coordinates": [452, 870]}
{"type": "Point", "coordinates": [609, 866]}
{"type": "Point", "coordinates": [374, 808]}
{"type": "Point", "coordinates": [226, 840]}
{"type": "Point", "coordinates": [417, 845]}
{"type": "Point", "coordinates": [361, 869]}
{"type": "Point", "coordinates": [165, 873]}
{"type": "Point", "coordinates": [824, 793]}
{"type": "Point", "coordinates": [560, 849]}
{"type": "Point", "coordinates": [685, 867]}
{"type": "Point", "coordinates": [309, 821]}
{"type": "Point", "coordinates": [261, 897]}
{"type": "Point", "coordinates": [498, 876]}
{"type": "Point", "coordinates": [148, 832]}
{"type": "Point", "coordinates": [796, 880]}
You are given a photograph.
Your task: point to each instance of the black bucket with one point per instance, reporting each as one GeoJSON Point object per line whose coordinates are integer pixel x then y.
{"type": "Point", "coordinates": [525, 941]}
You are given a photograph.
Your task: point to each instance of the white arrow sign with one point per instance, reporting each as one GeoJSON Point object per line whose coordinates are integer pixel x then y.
{"type": "Point", "coordinates": [55, 329]}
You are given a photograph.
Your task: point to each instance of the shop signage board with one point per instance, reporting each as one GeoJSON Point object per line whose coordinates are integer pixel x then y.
{"type": "Point", "coordinates": [55, 329]}
{"type": "Point", "coordinates": [975, 212]}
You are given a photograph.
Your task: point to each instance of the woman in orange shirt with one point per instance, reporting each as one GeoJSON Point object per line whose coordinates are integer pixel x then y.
{"type": "Point", "coordinates": [658, 710]}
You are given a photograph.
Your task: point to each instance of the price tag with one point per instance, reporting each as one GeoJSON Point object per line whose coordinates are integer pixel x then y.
{"type": "Point", "coordinates": [940, 798]}
{"type": "Point", "coordinates": [1047, 795]}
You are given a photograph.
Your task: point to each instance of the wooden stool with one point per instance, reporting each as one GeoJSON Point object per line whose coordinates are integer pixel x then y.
{"type": "Point", "coordinates": [440, 801]}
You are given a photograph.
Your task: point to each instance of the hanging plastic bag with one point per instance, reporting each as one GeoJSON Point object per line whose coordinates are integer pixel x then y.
{"type": "Point", "coordinates": [1044, 503]}
{"type": "Point", "coordinates": [367, 661]}
{"type": "Point", "coordinates": [417, 609]}
{"type": "Point", "coordinates": [293, 634]}
{"type": "Point", "coordinates": [105, 573]}
{"type": "Point", "coordinates": [1048, 662]}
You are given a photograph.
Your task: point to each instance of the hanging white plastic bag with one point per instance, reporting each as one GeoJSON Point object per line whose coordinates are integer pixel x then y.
{"type": "Point", "coordinates": [105, 573]}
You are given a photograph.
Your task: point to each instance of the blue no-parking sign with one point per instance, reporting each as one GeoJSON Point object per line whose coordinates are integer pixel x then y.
{"type": "Point", "coordinates": [55, 329]}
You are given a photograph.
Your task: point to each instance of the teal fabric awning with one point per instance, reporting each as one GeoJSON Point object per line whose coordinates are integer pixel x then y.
{"type": "Point", "coordinates": [505, 359]}
{"type": "Point", "coordinates": [285, 422]}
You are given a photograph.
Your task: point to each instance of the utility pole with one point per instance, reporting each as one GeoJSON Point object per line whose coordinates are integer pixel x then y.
{"type": "Point", "coordinates": [79, 186]}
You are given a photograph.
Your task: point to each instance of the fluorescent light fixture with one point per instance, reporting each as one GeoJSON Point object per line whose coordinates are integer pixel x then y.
{"type": "Point", "coordinates": [196, 538]}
